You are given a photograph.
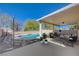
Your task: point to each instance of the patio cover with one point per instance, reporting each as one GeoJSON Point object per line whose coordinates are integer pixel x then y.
{"type": "Point", "coordinates": [66, 15]}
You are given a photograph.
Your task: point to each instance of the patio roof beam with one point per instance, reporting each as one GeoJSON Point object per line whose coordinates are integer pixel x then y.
{"type": "Point", "coordinates": [49, 23]}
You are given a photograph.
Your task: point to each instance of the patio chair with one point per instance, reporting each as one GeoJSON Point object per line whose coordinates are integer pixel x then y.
{"type": "Point", "coordinates": [51, 35]}
{"type": "Point", "coordinates": [56, 34]}
{"type": "Point", "coordinates": [73, 39]}
{"type": "Point", "coordinates": [44, 36]}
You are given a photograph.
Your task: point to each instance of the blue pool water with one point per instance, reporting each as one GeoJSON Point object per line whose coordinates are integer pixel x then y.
{"type": "Point", "coordinates": [29, 36]}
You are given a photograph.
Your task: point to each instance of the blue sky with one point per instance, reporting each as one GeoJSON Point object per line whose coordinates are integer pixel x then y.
{"type": "Point", "coordinates": [24, 11]}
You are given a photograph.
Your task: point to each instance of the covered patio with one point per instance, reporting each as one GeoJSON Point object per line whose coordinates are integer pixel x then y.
{"type": "Point", "coordinates": [68, 16]}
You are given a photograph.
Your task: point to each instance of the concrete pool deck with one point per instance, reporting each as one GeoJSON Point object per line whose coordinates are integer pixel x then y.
{"type": "Point", "coordinates": [39, 50]}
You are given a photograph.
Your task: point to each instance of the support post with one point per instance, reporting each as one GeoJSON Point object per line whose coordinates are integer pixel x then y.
{"type": "Point", "coordinates": [53, 27]}
{"type": "Point", "coordinates": [77, 30]}
{"type": "Point", "coordinates": [40, 29]}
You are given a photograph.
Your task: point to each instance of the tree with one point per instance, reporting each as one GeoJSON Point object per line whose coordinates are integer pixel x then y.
{"type": "Point", "coordinates": [15, 25]}
{"type": "Point", "coordinates": [5, 20]}
{"type": "Point", "coordinates": [31, 25]}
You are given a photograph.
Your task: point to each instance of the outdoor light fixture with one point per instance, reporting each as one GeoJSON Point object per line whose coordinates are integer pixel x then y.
{"type": "Point", "coordinates": [62, 22]}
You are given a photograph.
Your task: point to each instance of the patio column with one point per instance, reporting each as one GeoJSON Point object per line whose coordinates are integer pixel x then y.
{"type": "Point", "coordinates": [77, 30]}
{"type": "Point", "coordinates": [53, 27]}
{"type": "Point", "coordinates": [40, 29]}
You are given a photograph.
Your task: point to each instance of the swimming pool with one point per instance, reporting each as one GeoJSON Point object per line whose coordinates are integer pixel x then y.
{"type": "Point", "coordinates": [27, 36]}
